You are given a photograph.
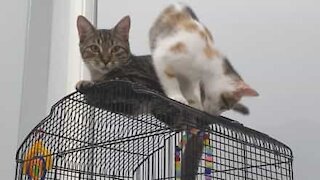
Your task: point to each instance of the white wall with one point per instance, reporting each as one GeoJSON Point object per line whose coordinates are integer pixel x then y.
{"type": "Point", "coordinates": [274, 45]}
{"type": "Point", "coordinates": [13, 20]}
{"type": "Point", "coordinates": [40, 64]}
{"type": "Point", "coordinates": [52, 60]}
{"type": "Point", "coordinates": [66, 67]}
{"type": "Point", "coordinates": [36, 66]}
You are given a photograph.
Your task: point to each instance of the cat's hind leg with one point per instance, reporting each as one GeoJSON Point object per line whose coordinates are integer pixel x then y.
{"type": "Point", "coordinates": [188, 88]}
{"type": "Point", "coordinates": [170, 83]}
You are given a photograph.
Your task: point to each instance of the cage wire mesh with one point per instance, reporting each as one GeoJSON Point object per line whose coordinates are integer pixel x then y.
{"type": "Point", "coordinates": [119, 130]}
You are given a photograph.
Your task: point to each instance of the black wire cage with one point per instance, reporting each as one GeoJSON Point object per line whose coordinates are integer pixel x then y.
{"type": "Point", "coordinates": [120, 130]}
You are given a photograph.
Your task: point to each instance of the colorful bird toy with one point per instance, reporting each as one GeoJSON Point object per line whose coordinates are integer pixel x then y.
{"type": "Point", "coordinates": [37, 161]}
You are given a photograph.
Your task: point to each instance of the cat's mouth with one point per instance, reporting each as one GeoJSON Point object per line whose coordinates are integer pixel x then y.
{"type": "Point", "coordinates": [102, 69]}
{"type": "Point", "coordinates": [108, 66]}
{"type": "Point", "coordinates": [105, 68]}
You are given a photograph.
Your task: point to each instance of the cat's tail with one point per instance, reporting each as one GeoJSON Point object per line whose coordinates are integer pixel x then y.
{"type": "Point", "coordinates": [191, 157]}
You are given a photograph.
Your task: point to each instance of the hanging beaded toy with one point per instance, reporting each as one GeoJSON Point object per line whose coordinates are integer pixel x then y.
{"type": "Point", "coordinates": [208, 153]}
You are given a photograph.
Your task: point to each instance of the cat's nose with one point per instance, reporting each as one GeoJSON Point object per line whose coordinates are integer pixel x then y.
{"type": "Point", "coordinates": [105, 62]}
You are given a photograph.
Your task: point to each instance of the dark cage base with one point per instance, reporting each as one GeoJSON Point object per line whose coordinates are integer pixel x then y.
{"type": "Point", "coordinates": [85, 137]}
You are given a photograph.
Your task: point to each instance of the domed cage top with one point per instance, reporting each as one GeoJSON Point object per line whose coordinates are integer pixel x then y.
{"type": "Point", "coordinates": [120, 130]}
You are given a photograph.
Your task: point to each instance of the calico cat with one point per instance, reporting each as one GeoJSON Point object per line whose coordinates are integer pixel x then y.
{"type": "Point", "coordinates": [193, 72]}
{"type": "Point", "coordinates": [186, 62]}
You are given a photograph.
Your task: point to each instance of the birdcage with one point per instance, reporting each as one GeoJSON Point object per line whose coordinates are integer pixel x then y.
{"type": "Point", "coordinates": [120, 130]}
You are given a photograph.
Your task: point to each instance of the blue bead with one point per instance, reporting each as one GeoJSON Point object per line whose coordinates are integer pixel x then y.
{"type": "Point", "coordinates": [207, 171]}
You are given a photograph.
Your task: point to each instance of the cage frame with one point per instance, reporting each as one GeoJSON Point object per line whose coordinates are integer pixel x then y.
{"type": "Point", "coordinates": [219, 126]}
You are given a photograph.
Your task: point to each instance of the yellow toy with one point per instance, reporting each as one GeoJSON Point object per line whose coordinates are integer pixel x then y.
{"type": "Point", "coordinates": [37, 161]}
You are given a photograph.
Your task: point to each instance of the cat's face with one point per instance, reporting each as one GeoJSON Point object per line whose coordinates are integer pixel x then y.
{"type": "Point", "coordinates": [224, 91]}
{"type": "Point", "coordinates": [104, 49]}
{"type": "Point", "coordinates": [223, 97]}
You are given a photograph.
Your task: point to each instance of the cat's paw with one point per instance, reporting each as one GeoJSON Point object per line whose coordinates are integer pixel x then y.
{"type": "Point", "coordinates": [180, 99]}
{"type": "Point", "coordinates": [84, 86]}
{"type": "Point", "coordinates": [195, 104]}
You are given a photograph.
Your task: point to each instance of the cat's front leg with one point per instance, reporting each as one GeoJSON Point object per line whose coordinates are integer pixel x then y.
{"type": "Point", "coordinates": [83, 85]}
{"type": "Point", "coordinates": [188, 88]}
{"type": "Point", "coordinates": [179, 98]}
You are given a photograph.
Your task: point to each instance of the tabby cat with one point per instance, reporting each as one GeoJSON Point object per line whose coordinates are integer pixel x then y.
{"type": "Point", "coordinates": [106, 53]}
{"type": "Point", "coordinates": [193, 72]}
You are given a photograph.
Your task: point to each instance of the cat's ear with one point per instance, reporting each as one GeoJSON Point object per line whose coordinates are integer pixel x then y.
{"type": "Point", "coordinates": [244, 89]}
{"type": "Point", "coordinates": [84, 27]}
{"type": "Point", "coordinates": [123, 27]}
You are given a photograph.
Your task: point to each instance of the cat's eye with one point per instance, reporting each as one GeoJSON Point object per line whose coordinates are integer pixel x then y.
{"type": "Point", "coordinates": [115, 49]}
{"type": "Point", "coordinates": [94, 48]}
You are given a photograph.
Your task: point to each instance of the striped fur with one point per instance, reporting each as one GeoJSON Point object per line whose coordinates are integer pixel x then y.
{"type": "Point", "coordinates": [103, 49]}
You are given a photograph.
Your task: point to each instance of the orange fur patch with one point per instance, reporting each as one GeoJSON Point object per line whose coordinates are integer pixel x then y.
{"type": "Point", "coordinates": [209, 52]}
{"type": "Point", "coordinates": [169, 72]}
{"type": "Point", "coordinates": [190, 26]}
{"type": "Point", "coordinates": [206, 35]}
{"type": "Point", "coordinates": [203, 35]}
{"type": "Point", "coordinates": [173, 17]}
{"type": "Point", "coordinates": [179, 48]}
